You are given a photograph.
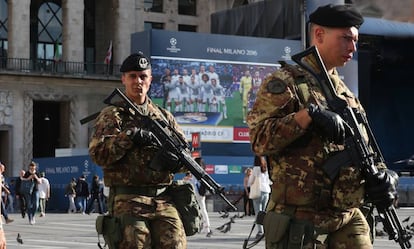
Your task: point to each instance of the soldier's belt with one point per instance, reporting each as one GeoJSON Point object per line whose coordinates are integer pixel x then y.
{"type": "Point", "coordinates": [299, 212]}
{"type": "Point", "coordinates": [145, 191]}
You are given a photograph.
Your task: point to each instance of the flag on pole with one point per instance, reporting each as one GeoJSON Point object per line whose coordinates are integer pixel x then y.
{"type": "Point", "coordinates": [57, 57]}
{"type": "Point", "coordinates": [109, 54]}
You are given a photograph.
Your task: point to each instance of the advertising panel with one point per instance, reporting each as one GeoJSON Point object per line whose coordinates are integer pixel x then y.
{"type": "Point", "coordinates": [209, 81]}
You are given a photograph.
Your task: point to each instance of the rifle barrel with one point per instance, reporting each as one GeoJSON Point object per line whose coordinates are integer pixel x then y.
{"type": "Point", "coordinates": [175, 143]}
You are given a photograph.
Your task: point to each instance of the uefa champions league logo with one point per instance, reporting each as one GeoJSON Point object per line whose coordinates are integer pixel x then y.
{"type": "Point", "coordinates": [173, 45]}
{"type": "Point", "coordinates": [287, 50]}
{"type": "Point", "coordinates": [173, 42]}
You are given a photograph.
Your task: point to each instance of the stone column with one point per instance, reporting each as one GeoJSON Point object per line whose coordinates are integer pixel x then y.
{"type": "Point", "coordinates": [171, 13]}
{"type": "Point", "coordinates": [19, 33]}
{"type": "Point", "coordinates": [124, 21]}
{"type": "Point", "coordinates": [73, 30]}
{"type": "Point", "coordinates": [203, 15]}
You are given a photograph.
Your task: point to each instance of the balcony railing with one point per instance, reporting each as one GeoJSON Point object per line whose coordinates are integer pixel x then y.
{"type": "Point", "coordinates": [59, 67]}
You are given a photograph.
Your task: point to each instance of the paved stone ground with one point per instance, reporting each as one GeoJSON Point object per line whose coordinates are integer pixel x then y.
{"type": "Point", "coordinates": [61, 231]}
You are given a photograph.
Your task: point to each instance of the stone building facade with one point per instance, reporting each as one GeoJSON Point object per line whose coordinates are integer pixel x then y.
{"type": "Point", "coordinates": [77, 93]}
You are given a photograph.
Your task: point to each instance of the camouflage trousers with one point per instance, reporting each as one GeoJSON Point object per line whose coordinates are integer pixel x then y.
{"type": "Point", "coordinates": [353, 231]}
{"type": "Point", "coordinates": [341, 230]}
{"type": "Point", "coordinates": [149, 222]}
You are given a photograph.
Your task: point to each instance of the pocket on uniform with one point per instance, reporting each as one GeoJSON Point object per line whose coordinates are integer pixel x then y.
{"type": "Point", "coordinates": [112, 229]}
{"type": "Point", "coordinates": [99, 224]}
{"type": "Point", "coordinates": [275, 226]}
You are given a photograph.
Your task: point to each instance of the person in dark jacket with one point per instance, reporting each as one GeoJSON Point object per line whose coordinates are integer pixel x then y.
{"type": "Point", "coordinates": [70, 192]}
{"type": "Point", "coordinates": [32, 198]}
{"type": "Point", "coordinates": [96, 194]}
{"type": "Point", "coordinates": [19, 196]}
{"type": "Point", "coordinates": [82, 194]}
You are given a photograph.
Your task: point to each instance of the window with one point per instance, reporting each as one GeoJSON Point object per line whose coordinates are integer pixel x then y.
{"type": "Point", "coordinates": [89, 31]}
{"type": "Point", "coordinates": [3, 30]}
{"type": "Point", "coordinates": [45, 51]}
{"type": "Point", "coordinates": [153, 5]}
{"type": "Point", "coordinates": [187, 7]}
{"type": "Point", "coordinates": [49, 30]}
{"type": "Point", "coordinates": [189, 28]}
{"type": "Point", "coordinates": [49, 22]}
{"type": "Point", "coordinates": [3, 19]}
{"type": "Point", "coordinates": [153, 25]}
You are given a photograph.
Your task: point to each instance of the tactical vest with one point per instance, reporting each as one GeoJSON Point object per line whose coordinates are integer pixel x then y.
{"type": "Point", "coordinates": [309, 186]}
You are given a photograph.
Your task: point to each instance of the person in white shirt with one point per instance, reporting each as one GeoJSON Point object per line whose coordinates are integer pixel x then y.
{"type": "Point", "coordinates": [261, 174]}
{"type": "Point", "coordinates": [201, 192]}
{"type": "Point", "coordinates": [218, 98]}
{"type": "Point", "coordinates": [2, 236]}
{"type": "Point", "coordinates": [206, 93]}
{"type": "Point", "coordinates": [212, 74]}
{"type": "Point", "coordinates": [173, 92]}
{"type": "Point", "coordinates": [184, 96]}
{"type": "Point", "coordinates": [4, 193]}
{"type": "Point", "coordinates": [202, 70]}
{"type": "Point", "coordinates": [195, 90]}
{"type": "Point", "coordinates": [44, 193]}
{"type": "Point", "coordinates": [247, 202]}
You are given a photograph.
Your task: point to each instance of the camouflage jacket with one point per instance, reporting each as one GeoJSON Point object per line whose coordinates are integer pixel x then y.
{"type": "Point", "coordinates": [295, 154]}
{"type": "Point", "coordinates": [123, 162]}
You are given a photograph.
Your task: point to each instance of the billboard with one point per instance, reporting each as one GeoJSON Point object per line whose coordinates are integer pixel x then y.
{"type": "Point", "coordinates": [209, 81]}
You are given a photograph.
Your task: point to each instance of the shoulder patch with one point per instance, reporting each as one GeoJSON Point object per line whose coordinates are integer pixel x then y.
{"type": "Point", "coordinates": [276, 86]}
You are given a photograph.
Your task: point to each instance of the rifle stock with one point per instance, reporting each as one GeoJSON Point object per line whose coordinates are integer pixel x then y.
{"type": "Point", "coordinates": [357, 150]}
{"type": "Point", "coordinates": [172, 142]}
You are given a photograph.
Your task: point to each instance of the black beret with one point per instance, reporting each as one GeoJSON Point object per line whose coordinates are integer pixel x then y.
{"type": "Point", "coordinates": [340, 16]}
{"type": "Point", "coordinates": [135, 62]}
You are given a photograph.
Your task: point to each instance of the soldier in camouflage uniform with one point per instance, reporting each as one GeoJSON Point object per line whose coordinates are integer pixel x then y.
{"type": "Point", "coordinates": [294, 128]}
{"type": "Point", "coordinates": [125, 149]}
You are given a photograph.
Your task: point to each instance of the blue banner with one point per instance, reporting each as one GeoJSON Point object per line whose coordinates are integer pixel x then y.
{"type": "Point", "coordinates": [213, 46]}
{"type": "Point", "coordinates": [60, 170]}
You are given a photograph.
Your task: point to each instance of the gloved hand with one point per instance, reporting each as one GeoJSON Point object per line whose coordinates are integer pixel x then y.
{"type": "Point", "coordinates": [328, 124]}
{"type": "Point", "coordinates": [165, 160]}
{"type": "Point", "coordinates": [143, 137]}
{"type": "Point", "coordinates": [382, 188]}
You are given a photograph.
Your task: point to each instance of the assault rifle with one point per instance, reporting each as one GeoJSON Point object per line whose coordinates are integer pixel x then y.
{"type": "Point", "coordinates": [171, 141]}
{"type": "Point", "coordinates": [357, 151]}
